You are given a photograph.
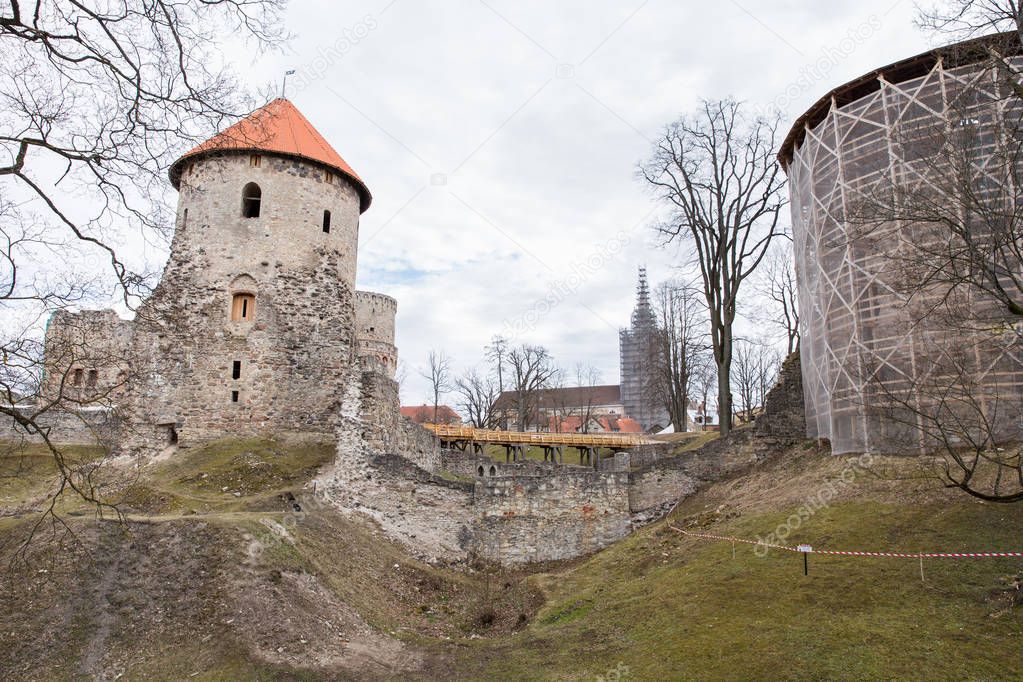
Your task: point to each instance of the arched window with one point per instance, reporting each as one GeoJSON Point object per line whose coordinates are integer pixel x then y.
{"type": "Point", "coordinates": [480, 470]}
{"type": "Point", "coordinates": [251, 195]}
{"type": "Point", "coordinates": [326, 221]}
{"type": "Point", "coordinates": [243, 308]}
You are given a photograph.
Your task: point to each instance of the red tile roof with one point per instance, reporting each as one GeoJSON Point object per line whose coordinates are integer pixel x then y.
{"type": "Point", "coordinates": [570, 396]}
{"type": "Point", "coordinates": [421, 414]}
{"type": "Point", "coordinates": [609, 423]}
{"type": "Point", "coordinates": [277, 128]}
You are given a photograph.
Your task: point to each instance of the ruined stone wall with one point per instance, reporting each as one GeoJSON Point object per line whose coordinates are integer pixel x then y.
{"type": "Point", "coordinates": [87, 357]}
{"type": "Point", "coordinates": [385, 430]}
{"type": "Point", "coordinates": [783, 421]}
{"type": "Point", "coordinates": [374, 328]}
{"type": "Point", "coordinates": [297, 351]}
{"type": "Point", "coordinates": [543, 518]}
{"type": "Point", "coordinates": [84, 426]}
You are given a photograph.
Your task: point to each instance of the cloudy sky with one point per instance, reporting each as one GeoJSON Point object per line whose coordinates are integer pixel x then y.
{"type": "Point", "coordinates": [500, 141]}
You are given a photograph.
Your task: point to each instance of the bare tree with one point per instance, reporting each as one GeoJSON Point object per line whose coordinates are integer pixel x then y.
{"type": "Point", "coordinates": [969, 18]}
{"type": "Point", "coordinates": [97, 100]}
{"type": "Point", "coordinates": [775, 281]}
{"type": "Point", "coordinates": [531, 369]}
{"type": "Point", "coordinates": [438, 373]}
{"type": "Point", "coordinates": [744, 378]}
{"type": "Point", "coordinates": [704, 383]}
{"type": "Point", "coordinates": [957, 414]}
{"type": "Point", "coordinates": [497, 353]}
{"type": "Point", "coordinates": [716, 171]}
{"type": "Point", "coordinates": [587, 377]}
{"type": "Point", "coordinates": [681, 339]}
{"type": "Point", "coordinates": [478, 398]}
{"type": "Point", "coordinates": [753, 373]}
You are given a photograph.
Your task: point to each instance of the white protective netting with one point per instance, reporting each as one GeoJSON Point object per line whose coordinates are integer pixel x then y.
{"type": "Point", "coordinates": [870, 358]}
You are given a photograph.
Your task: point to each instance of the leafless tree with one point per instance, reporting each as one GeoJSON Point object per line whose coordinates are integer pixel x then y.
{"type": "Point", "coordinates": [438, 373]}
{"type": "Point", "coordinates": [744, 378]}
{"type": "Point", "coordinates": [497, 353]}
{"type": "Point", "coordinates": [775, 282]}
{"type": "Point", "coordinates": [681, 340]}
{"type": "Point", "coordinates": [704, 383]}
{"type": "Point", "coordinates": [716, 171]}
{"type": "Point", "coordinates": [587, 377]}
{"type": "Point", "coordinates": [531, 369]}
{"type": "Point", "coordinates": [957, 414]}
{"type": "Point", "coordinates": [96, 101]}
{"type": "Point", "coordinates": [753, 373]}
{"type": "Point", "coordinates": [969, 18]}
{"type": "Point", "coordinates": [478, 398]}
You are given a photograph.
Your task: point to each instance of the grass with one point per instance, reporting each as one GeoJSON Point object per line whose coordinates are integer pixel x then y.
{"type": "Point", "coordinates": [674, 607]}
{"type": "Point", "coordinates": [187, 595]}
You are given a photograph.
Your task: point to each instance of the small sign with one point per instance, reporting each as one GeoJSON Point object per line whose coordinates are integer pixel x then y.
{"type": "Point", "coordinates": [804, 548]}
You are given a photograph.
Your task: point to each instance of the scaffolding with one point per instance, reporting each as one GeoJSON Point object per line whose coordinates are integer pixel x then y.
{"type": "Point", "coordinates": [866, 336]}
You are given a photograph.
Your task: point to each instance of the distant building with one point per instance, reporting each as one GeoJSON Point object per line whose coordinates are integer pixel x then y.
{"type": "Point", "coordinates": [602, 424]}
{"type": "Point", "coordinates": [423, 414]}
{"type": "Point", "coordinates": [558, 403]}
{"type": "Point", "coordinates": [638, 350]}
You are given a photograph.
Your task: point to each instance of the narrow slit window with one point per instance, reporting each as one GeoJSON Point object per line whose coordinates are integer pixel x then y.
{"type": "Point", "coordinates": [92, 378]}
{"type": "Point", "coordinates": [326, 221]}
{"type": "Point", "coordinates": [252, 196]}
{"type": "Point", "coordinates": [255, 160]}
{"type": "Point", "coordinates": [76, 379]}
{"type": "Point", "coordinates": [243, 308]}
{"type": "Point", "coordinates": [236, 369]}
{"type": "Point", "coordinates": [234, 396]}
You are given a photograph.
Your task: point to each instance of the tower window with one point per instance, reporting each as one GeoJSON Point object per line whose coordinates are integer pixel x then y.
{"type": "Point", "coordinates": [76, 379]}
{"type": "Point", "coordinates": [236, 369]}
{"type": "Point", "coordinates": [243, 308]}
{"type": "Point", "coordinates": [234, 396]}
{"type": "Point", "coordinates": [92, 378]}
{"type": "Point", "coordinates": [251, 196]}
{"type": "Point", "coordinates": [255, 160]}
{"type": "Point", "coordinates": [326, 221]}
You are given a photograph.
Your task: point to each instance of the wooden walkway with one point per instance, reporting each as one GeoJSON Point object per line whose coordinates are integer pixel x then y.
{"type": "Point", "coordinates": [553, 444]}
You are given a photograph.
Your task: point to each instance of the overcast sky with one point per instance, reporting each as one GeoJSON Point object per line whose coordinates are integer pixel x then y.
{"type": "Point", "coordinates": [500, 139]}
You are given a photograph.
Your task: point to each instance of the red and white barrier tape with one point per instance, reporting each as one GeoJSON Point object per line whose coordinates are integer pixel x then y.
{"type": "Point", "coordinates": [897, 555]}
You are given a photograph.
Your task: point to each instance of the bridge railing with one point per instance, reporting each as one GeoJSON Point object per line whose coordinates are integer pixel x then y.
{"type": "Point", "coordinates": [469, 433]}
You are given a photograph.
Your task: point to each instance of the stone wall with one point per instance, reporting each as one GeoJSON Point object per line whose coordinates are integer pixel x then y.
{"type": "Point", "coordinates": [83, 426]}
{"type": "Point", "coordinates": [543, 518]}
{"type": "Point", "coordinates": [374, 329]}
{"type": "Point", "coordinates": [385, 430]}
{"type": "Point", "coordinates": [783, 421]}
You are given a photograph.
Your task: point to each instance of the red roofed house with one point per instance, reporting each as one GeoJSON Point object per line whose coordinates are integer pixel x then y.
{"type": "Point", "coordinates": [423, 414]}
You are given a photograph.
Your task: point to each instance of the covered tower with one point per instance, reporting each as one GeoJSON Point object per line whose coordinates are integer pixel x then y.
{"type": "Point", "coordinates": [252, 327]}
{"type": "Point", "coordinates": [637, 346]}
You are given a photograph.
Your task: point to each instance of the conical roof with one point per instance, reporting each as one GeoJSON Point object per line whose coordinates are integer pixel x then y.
{"type": "Point", "coordinates": [277, 128]}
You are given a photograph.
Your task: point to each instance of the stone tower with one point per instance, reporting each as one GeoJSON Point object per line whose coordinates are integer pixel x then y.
{"type": "Point", "coordinates": [374, 329]}
{"type": "Point", "coordinates": [252, 327]}
{"type": "Point", "coordinates": [638, 357]}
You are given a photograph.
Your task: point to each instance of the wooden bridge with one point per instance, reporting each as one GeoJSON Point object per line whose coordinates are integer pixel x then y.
{"type": "Point", "coordinates": [553, 444]}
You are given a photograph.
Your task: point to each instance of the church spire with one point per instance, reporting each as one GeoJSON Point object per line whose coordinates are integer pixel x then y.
{"type": "Point", "coordinates": [642, 314]}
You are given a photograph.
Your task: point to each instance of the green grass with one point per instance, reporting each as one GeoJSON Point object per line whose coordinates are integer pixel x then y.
{"type": "Point", "coordinates": [674, 607]}
{"type": "Point", "coordinates": [658, 604]}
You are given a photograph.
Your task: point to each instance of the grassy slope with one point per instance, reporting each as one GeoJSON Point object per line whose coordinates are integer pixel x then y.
{"type": "Point", "coordinates": [185, 596]}
{"type": "Point", "coordinates": [671, 607]}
